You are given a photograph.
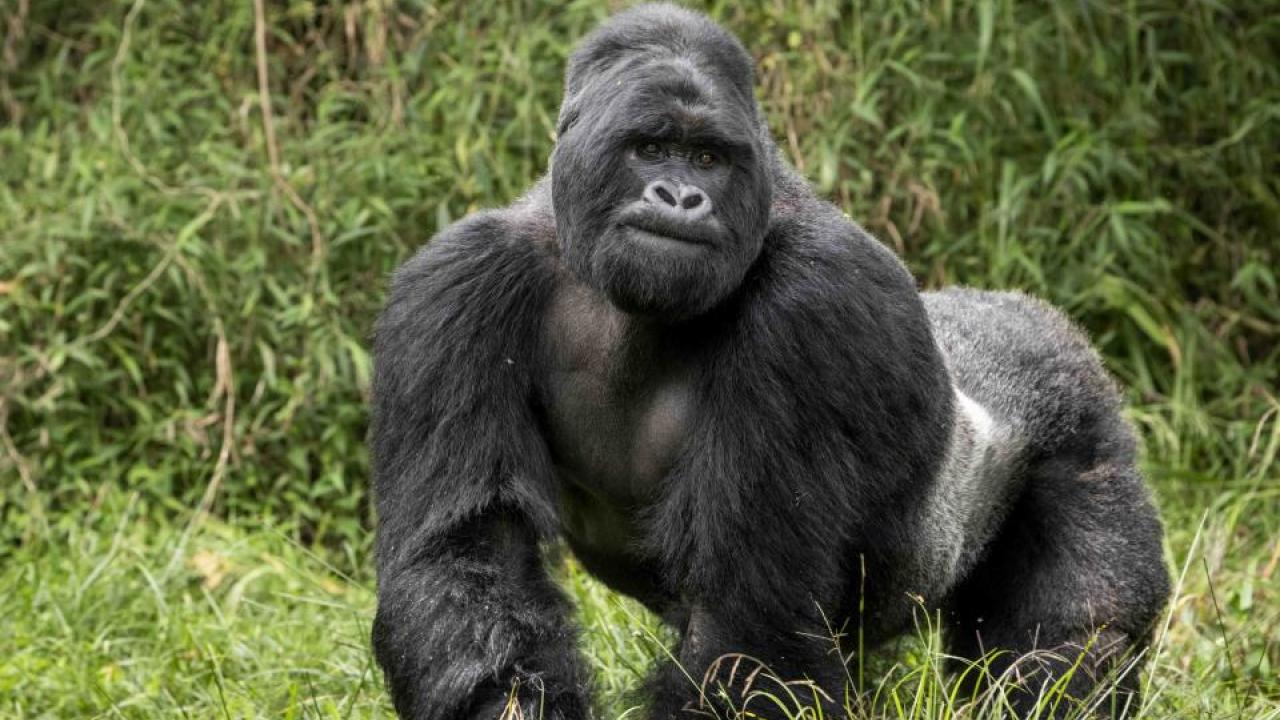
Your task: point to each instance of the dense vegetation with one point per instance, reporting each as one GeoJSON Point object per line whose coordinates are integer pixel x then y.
{"type": "Point", "coordinates": [195, 232]}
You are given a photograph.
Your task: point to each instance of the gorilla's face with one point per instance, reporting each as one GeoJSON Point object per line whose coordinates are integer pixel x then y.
{"type": "Point", "coordinates": [660, 189]}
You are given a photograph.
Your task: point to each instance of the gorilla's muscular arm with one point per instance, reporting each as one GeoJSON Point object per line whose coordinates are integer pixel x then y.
{"type": "Point", "coordinates": [811, 483]}
{"type": "Point", "coordinates": [462, 477]}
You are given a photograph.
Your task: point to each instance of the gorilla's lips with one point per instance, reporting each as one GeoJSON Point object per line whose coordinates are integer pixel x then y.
{"type": "Point", "coordinates": [663, 238]}
{"type": "Point", "coordinates": [707, 231]}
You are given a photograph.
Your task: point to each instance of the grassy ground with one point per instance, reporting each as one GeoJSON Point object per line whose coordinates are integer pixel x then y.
{"type": "Point", "coordinates": [193, 245]}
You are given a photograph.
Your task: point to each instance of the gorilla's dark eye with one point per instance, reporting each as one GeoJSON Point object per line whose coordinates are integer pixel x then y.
{"type": "Point", "coordinates": [704, 159]}
{"type": "Point", "coordinates": [649, 150]}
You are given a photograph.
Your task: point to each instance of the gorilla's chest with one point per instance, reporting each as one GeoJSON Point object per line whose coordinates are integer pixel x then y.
{"type": "Point", "coordinates": [618, 406]}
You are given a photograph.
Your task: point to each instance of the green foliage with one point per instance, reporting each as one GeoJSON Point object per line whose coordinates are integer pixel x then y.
{"type": "Point", "coordinates": [186, 296]}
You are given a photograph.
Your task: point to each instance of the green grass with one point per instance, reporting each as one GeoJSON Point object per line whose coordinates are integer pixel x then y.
{"type": "Point", "coordinates": [184, 312]}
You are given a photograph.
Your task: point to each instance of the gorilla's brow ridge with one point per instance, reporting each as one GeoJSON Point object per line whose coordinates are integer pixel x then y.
{"type": "Point", "coordinates": [693, 127]}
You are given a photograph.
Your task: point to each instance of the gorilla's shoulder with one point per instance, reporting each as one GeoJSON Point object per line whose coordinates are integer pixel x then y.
{"type": "Point", "coordinates": [827, 297]}
{"type": "Point", "coordinates": [817, 258]}
{"type": "Point", "coordinates": [836, 318]}
{"type": "Point", "coordinates": [491, 264]}
{"type": "Point", "coordinates": [502, 243]}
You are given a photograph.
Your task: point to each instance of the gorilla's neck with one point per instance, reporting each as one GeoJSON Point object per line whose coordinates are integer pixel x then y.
{"type": "Point", "coordinates": [628, 347]}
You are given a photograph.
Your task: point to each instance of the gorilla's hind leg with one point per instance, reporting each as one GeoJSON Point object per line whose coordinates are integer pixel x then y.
{"type": "Point", "coordinates": [1068, 592]}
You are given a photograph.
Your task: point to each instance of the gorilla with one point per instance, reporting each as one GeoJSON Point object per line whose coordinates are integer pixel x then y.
{"type": "Point", "coordinates": [733, 404]}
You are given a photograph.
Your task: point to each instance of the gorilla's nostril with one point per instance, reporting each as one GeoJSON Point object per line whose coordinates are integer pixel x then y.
{"type": "Point", "coordinates": [685, 201]}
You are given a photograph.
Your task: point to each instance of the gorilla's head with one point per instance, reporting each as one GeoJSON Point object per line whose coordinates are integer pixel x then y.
{"type": "Point", "coordinates": [659, 178]}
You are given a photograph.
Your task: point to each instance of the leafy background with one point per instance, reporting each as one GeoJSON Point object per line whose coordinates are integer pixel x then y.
{"type": "Point", "coordinates": [200, 203]}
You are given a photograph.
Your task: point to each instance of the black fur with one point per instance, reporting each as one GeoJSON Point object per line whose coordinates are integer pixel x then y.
{"type": "Point", "coordinates": [746, 417]}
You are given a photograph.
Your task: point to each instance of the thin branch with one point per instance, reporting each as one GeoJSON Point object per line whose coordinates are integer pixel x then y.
{"type": "Point", "coordinates": [264, 92]}
{"type": "Point", "coordinates": [273, 149]}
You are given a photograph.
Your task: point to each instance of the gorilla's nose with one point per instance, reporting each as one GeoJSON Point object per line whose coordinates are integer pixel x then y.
{"type": "Point", "coordinates": [685, 202]}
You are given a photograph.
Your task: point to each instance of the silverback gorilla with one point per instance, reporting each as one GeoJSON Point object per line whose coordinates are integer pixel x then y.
{"type": "Point", "coordinates": [733, 404]}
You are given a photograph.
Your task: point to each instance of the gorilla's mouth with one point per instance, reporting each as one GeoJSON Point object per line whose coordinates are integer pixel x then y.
{"type": "Point", "coordinates": [665, 237]}
{"type": "Point", "coordinates": [652, 225]}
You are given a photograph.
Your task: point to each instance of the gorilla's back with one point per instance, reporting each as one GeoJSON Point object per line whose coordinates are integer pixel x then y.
{"type": "Point", "coordinates": [1025, 362]}
{"type": "Point", "coordinates": [1030, 391]}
